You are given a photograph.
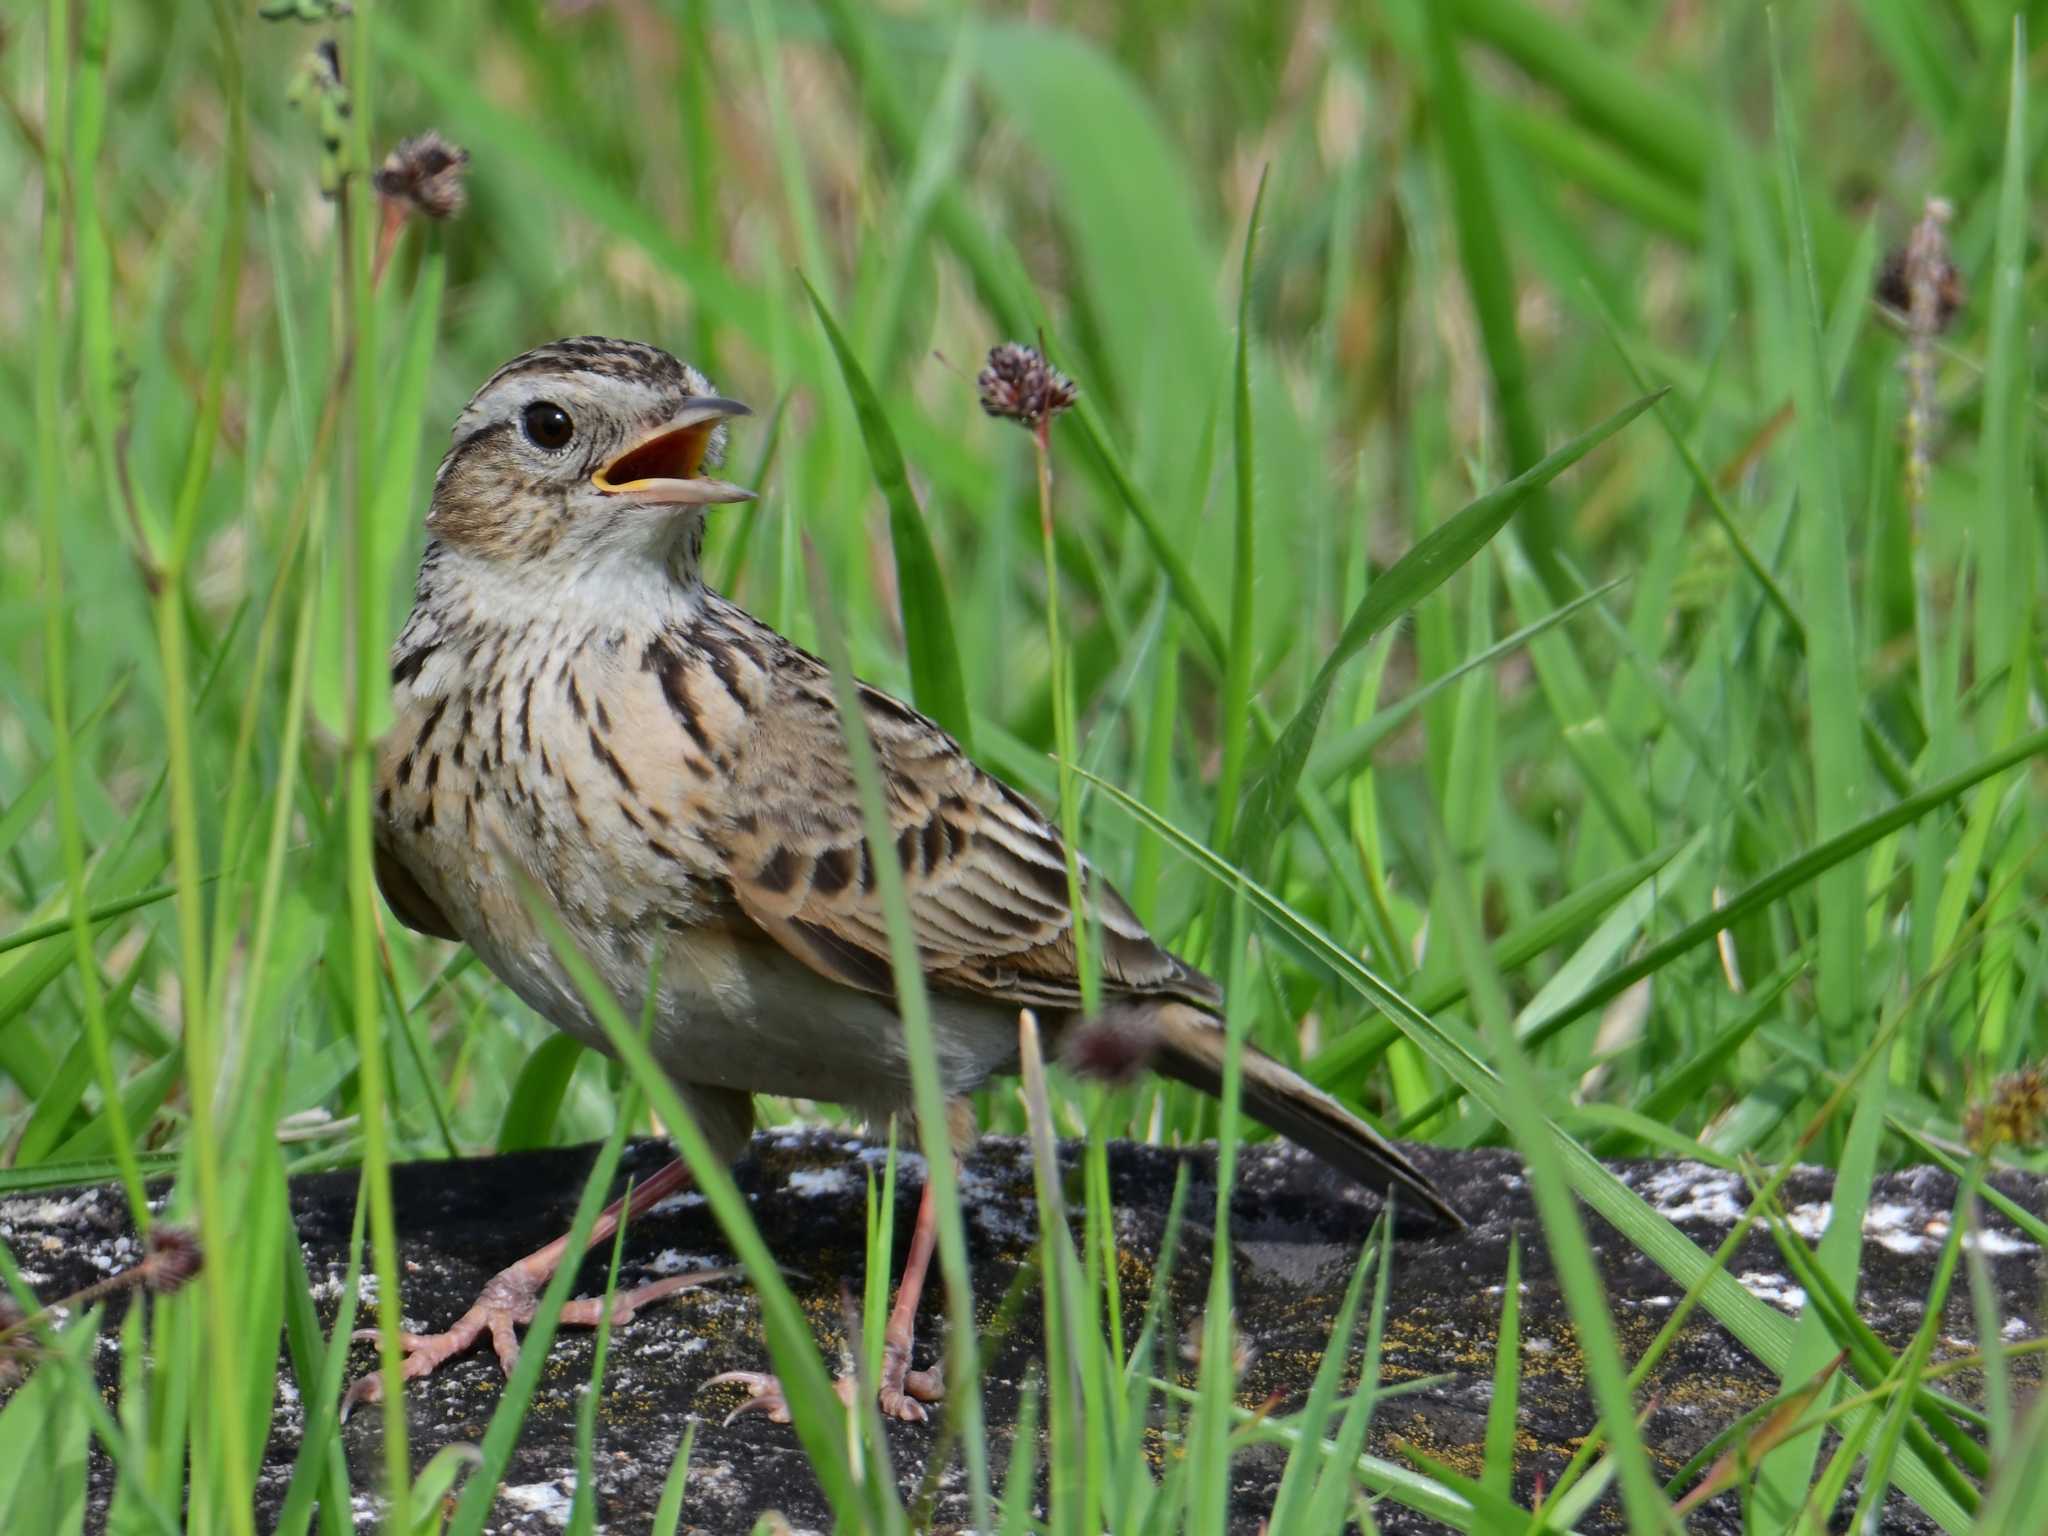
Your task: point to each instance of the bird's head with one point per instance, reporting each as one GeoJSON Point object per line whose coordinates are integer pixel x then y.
{"type": "Point", "coordinates": [585, 454]}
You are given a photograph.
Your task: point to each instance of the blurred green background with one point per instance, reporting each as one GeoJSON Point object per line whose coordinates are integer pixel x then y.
{"type": "Point", "coordinates": [1472, 244]}
{"type": "Point", "coordinates": [1791, 614]}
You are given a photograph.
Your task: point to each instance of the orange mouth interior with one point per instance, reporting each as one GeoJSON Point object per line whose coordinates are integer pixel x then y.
{"type": "Point", "coordinates": [676, 455]}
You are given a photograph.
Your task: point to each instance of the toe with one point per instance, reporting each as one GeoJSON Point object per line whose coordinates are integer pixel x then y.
{"type": "Point", "coordinates": [764, 1394]}
{"type": "Point", "coordinates": [364, 1389]}
{"type": "Point", "coordinates": [900, 1406]}
{"type": "Point", "coordinates": [586, 1312]}
{"type": "Point", "coordinates": [770, 1403]}
{"type": "Point", "coordinates": [505, 1341]}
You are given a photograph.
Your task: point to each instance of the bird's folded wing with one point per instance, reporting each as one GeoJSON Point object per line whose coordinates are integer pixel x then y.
{"type": "Point", "coordinates": [408, 898]}
{"type": "Point", "coordinates": [984, 872]}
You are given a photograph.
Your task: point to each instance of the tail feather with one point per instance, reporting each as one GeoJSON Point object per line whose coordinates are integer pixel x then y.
{"type": "Point", "coordinates": [1189, 1047]}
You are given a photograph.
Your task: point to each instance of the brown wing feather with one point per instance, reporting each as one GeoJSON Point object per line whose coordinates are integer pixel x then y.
{"type": "Point", "coordinates": [405, 896]}
{"type": "Point", "coordinates": [984, 872]}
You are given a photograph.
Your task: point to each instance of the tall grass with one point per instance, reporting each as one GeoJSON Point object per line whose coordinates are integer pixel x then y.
{"type": "Point", "coordinates": [1536, 773]}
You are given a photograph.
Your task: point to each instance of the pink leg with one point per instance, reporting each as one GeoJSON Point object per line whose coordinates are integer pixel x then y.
{"type": "Point", "coordinates": [902, 1392]}
{"type": "Point", "coordinates": [511, 1296]}
{"type": "Point", "coordinates": [902, 1388]}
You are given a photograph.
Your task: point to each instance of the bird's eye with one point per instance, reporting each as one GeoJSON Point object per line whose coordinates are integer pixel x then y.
{"type": "Point", "coordinates": [548, 425]}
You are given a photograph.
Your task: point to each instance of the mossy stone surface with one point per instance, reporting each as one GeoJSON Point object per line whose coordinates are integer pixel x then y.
{"type": "Point", "coordinates": [1296, 1229]}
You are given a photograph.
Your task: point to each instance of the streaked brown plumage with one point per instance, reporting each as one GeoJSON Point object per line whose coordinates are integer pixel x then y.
{"type": "Point", "coordinates": [575, 707]}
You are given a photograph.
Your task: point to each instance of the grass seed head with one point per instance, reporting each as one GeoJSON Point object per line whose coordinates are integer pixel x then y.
{"type": "Point", "coordinates": [1114, 1047]}
{"type": "Point", "coordinates": [1020, 385]}
{"type": "Point", "coordinates": [1918, 278]}
{"type": "Point", "coordinates": [2016, 1113]}
{"type": "Point", "coordinates": [426, 172]}
{"type": "Point", "coordinates": [173, 1258]}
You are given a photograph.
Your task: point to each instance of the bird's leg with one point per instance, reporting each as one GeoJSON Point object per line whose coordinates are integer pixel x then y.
{"type": "Point", "coordinates": [902, 1392]}
{"type": "Point", "coordinates": [511, 1296]}
{"type": "Point", "coordinates": [902, 1389]}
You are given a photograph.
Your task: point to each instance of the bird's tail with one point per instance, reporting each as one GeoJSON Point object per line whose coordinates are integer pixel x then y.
{"type": "Point", "coordinates": [1189, 1045]}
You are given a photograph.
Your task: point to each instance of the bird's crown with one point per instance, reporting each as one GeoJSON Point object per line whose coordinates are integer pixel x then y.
{"type": "Point", "coordinates": [589, 446]}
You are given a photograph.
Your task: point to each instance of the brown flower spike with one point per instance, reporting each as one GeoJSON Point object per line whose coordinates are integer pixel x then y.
{"type": "Point", "coordinates": [172, 1259]}
{"type": "Point", "coordinates": [1918, 279]}
{"type": "Point", "coordinates": [1113, 1047]}
{"type": "Point", "coordinates": [425, 171]}
{"type": "Point", "coordinates": [1020, 385]}
{"type": "Point", "coordinates": [2016, 1114]}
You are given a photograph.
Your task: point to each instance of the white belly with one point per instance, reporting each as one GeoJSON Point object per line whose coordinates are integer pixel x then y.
{"type": "Point", "coordinates": [747, 1015]}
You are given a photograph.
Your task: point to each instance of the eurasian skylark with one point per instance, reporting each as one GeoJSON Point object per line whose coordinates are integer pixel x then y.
{"type": "Point", "coordinates": [577, 712]}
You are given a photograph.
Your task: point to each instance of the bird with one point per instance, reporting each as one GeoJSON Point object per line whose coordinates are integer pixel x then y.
{"type": "Point", "coordinates": [577, 714]}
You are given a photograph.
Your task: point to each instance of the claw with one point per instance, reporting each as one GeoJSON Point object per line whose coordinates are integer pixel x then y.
{"type": "Point", "coordinates": [905, 1402]}
{"type": "Point", "coordinates": [900, 1406]}
{"type": "Point", "coordinates": [764, 1394]}
{"type": "Point", "coordinates": [903, 1390]}
{"type": "Point", "coordinates": [364, 1389]}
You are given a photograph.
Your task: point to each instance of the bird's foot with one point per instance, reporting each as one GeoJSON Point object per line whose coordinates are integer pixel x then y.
{"type": "Point", "coordinates": [506, 1303]}
{"type": "Point", "coordinates": [902, 1394]}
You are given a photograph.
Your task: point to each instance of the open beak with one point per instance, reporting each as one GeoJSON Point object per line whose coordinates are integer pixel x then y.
{"type": "Point", "coordinates": [662, 467]}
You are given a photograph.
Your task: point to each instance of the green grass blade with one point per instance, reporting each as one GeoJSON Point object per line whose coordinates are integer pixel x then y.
{"type": "Point", "coordinates": [1764, 1331]}
{"type": "Point", "coordinates": [501, 1436]}
{"type": "Point", "coordinates": [1348, 754]}
{"type": "Point", "coordinates": [321, 1470]}
{"type": "Point", "coordinates": [1410, 579]}
{"type": "Point", "coordinates": [1291, 1501]}
{"type": "Point", "coordinates": [935, 677]}
{"type": "Point", "coordinates": [1540, 1143]}
{"type": "Point", "coordinates": [1631, 882]}
{"type": "Point", "coordinates": [816, 1411]}
{"type": "Point", "coordinates": [43, 1440]}
{"type": "Point", "coordinates": [105, 912]}
{"type": "Point", "coordinates": [1507, 1375]}
{"type": "Point", "coordinates": [1489, 276]}
{"type": "Point", "coordinates": [537, 1094]}
{"type": "Point", "coordinates": [920, 1044]}
{"type": "Point", "coordinates": [1795, 874]}
{"type": "Point", "coordinates": [668, 1513]}
{"type": "Point", "coordinates": [1654, 119]}
{"type": "Point", "coordinates": [1833, 667]}
{"type": "Point", "coordinates": [583, 1504]}
{"type": "Point", "coordinates": [1237, 665]}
